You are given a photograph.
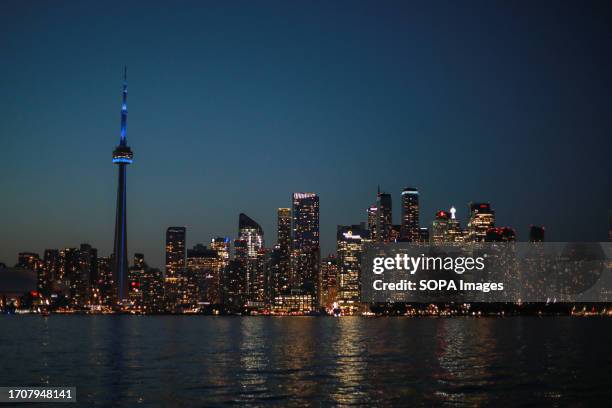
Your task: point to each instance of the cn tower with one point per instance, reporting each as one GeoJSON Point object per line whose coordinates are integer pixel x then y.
{"type": "Point", "coordinates": [122, 157]}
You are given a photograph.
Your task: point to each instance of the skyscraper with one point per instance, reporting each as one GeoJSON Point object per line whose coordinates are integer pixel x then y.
{"type": "Point", "coordinates": [306, 253]}
{"type": "Point", "coordinates": [372, 220]}
{"type": "Point", "coordinates": [283, 253]}
{"type": "Point", "coordinates": [350, 240]}
{"type": "Point", "coordinates": [252, 234]}
{"type": "Point", "coordinates": [410, 214]}
{"type": "Point", "coordinates": [122, 156]}
{"type": "Point", "coordinates": [482, 217]}
{"type": "Point", "coordinates": [440, 227]}
{"type": "Point", "coordinates": [175, 251]}
{"type": "Point", "coordinates": [384, 218]}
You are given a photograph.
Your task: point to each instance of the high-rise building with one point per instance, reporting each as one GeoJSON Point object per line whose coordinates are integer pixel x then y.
{"type": "Point", "coordinates": [222, 246]}
{"type": "Point", "coordinates": [305, 241]}
{"type": "Point", "coordinates": [85, 279]}
{"type": "Point", "coordinates": [410, 214]}
{"type": "Point", "coordinates": [482, 217]}
{"type": "Point", "coordinates": [107, 290]}
{"type": "Point", "coordinates": [372, 220]}
{"type": "Point", "coordinates": [70, 273]}
{"type": "Point", "coordinates": [49, 272]}
{"type": "Point", "coordinates": [329, 281]}
{"type": "Point", "coordinates": [175, 250]}
{"type": "Point", "coordinates": [122, 157]}
{"type": "Point", "coordinates": [536, 233]}
{"type": "Point", "coordinates": [454, 231]}
{"type": "Point", "coordinates": [152, 287]}
{"type": "Point", "coordinates": [205, 267]}
{"type": "Point", "coordinates": [282, 256]}
{"type": "Point", "coordinates": [251, 233]}
{"type": "Point", "coordinates": [350, 240]}
{"type": "Point", "coordinates": [440, 227]}
{"type": "Point", "coordinates": [384, 217]}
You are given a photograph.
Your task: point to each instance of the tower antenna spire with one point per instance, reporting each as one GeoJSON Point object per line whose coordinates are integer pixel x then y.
{"type": "Point", "coordinates": [123, 141]}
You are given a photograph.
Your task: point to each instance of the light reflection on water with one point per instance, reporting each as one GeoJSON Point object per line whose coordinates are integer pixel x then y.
{"type": "Point", "coordinates": [211, 361]}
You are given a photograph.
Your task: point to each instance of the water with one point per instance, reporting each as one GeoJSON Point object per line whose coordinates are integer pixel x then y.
{"type": "Point", "coordinates": [184, 361]}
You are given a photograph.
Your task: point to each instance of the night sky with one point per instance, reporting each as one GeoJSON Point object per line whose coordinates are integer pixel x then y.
{"type": "Point", "coordinates": [235, 105]}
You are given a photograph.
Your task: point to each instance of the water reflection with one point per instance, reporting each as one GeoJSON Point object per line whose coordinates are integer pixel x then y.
{"type": "Point", "coordinates": [127, 361]}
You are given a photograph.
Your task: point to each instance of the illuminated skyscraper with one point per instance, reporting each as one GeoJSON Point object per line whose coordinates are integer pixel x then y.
{"type": "Point", "coordinates": [175, 251]}
{"type": "Point", "coordinates": [50, 271]}
{"type": "Point", "coordinates": [306, 253]}
{"type": "Point", "coordinates": [410, 214]}
{"type": "Point", "coordinates": [350, 240]}
{"type": "Point", "coordinates": [329, 281]}
{"type": "Point", "coordinates": [122, 157]}
{"type": "Point", "coordinates": [372, 220]}
{"type": "Point", "coordinates": [440, 227]}
{"type": "Point", "coordinates": [251, 233]}
{"type": "Point", "coordinates": [222, 246]}
{"type": "Point", "coordinates": [282, 254]}
{"type": "Point", "coordinates": [384, 218]}
{"type": "Point", "coordinates": [482, 217]}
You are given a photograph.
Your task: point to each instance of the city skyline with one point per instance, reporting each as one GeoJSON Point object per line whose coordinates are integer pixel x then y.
{"type": "Point", "coordinates": [460, 118]}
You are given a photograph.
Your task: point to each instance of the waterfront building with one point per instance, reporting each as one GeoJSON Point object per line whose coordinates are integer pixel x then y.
{"type": "Point", "coordinates": [482, 218]}
{"type": "Point", "coordinates": [350, 240]}
{"type": "Point", "coordinates": [410, 214]}
{"type": "Point", "coordinates": [328, 282]}
{"type": "Point", "coordinates": [305, 241]}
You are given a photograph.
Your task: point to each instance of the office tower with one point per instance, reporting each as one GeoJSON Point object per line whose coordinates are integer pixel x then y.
{"type": "Point", "coordinates": [122, 157]}
{"type": "Point", "coordinates": [439, 227]}
{"type": "Point", "coordinates": [372, 220]}
{"type": "Point", "coordinates": [454, 231]}
{"type": "Point", "coordinates": [536, 233]}
{"type": "Point", "coordinates": [482, 217]}
{"type": "Point", "coordinates": [610, 228]}
{"type": "Point", "coordinates": [282, 256]}
{"type": "Point", "coordinates": [329, 281]}
{"type": "Point", "coordinates": [85, 278]}
{"type": "Point", "coordinates": [175, 251]}
{"type": "Point", "coordinates": [234, 279]}
{"type": "Point", "coordinates": [305, 241]}
{"type": "Point", "coordinates": [384, 219]}
{"type": "Point", "coordinates": [222, 246]}
{"type": "Point", "coordinates": [251, 233]}
{"type": "Point", "coordinates": [107, 290]}
{"type": "Point", "coordinates": [205, 267]}
{"type": "Point", "coordinates": [410, 214]}
{"type": "Point", "coordinates": [49, 271]}
{"type": "Point", "coordinates": [69, 273]}
{"type": "Point", "coordinates": [350, 240]}
{"type": "Point", "coordinates": [152, 288]}
{"type": "Point", "coordinates": [500, 234]}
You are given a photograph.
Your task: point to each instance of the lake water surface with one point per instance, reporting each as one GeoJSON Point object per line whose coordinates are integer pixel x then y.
{"type": "Point", "coordinates": [184, 361]}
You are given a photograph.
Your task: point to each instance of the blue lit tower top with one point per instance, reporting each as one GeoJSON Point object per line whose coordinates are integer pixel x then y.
{"type": "Point", "coordinates": [123, 154]}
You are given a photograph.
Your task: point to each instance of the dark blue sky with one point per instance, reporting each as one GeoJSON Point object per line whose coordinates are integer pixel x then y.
{"type": "Point", "coordinates": [234, 105]}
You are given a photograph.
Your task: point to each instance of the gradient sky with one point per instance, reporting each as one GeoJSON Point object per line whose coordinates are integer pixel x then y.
{"type": "Point", "coordinates": [235, 105]}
